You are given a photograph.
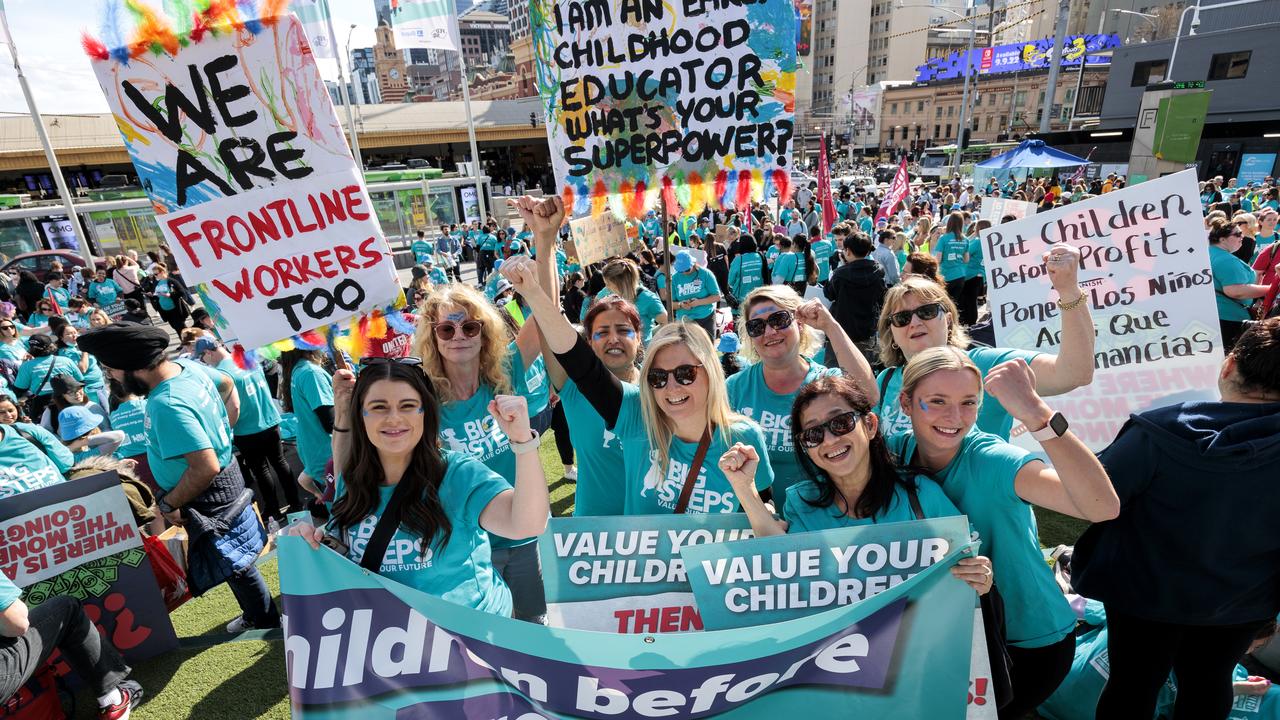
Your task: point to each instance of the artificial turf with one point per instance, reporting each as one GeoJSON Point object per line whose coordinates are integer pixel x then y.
{"type": "Point", "coordinates": [218, 676]}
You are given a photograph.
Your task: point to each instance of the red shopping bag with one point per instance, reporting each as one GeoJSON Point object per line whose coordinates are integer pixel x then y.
{"type": "Point", "coordinates": [170, 578]}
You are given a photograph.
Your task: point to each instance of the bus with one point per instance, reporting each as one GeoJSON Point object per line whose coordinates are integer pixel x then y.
{"type": "Point", "coordinates": [936, 162]}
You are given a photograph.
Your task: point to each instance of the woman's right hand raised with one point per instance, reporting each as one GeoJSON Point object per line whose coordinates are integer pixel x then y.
{"type": "Point", "coordinates": [344, 383]}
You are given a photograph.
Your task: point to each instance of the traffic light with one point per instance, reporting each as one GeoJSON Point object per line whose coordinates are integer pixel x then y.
{"type": "Point", "coordinates": [533, 120]}
{"type": "Point", "coordinates": [964, 138]}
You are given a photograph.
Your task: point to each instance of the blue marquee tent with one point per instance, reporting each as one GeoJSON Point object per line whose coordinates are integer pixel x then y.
{"type": "Point", "coordinates": [1032, 154]}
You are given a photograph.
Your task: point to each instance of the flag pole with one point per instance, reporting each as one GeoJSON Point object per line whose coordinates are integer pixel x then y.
{"type": "Point", "coordinates": [82, 240]}
{"type": "Point", "coordinates": [471, 123]}
{"type": "Point", "coordinates": [344, 87]}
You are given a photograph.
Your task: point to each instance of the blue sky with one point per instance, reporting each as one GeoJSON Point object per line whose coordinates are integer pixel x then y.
{"type": "Point", "coordinates": [47, 33]}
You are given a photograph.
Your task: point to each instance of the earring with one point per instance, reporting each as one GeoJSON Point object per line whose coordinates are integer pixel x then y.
{"type": "Point", "coordinates": [893, 344]}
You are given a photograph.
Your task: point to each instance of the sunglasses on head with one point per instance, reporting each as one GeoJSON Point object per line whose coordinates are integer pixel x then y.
{"type": "Point", "coordinates": [446, 330]}
{"type": "Point", "coordinates": [924, 312]}
{"type": "Point", "coordinates": [684, 374]}
{"type": "Point", "coordinates": [372, 361]}
{"type": "Point", "coordinates": [780, 320]}
{"type": "Point", "coordinates": [842, 424]}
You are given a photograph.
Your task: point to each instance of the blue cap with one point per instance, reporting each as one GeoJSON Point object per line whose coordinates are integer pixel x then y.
{"type": "Point", "coordinates": [683, 262]}
{"type": "Point", "coordinates": [728, 343]}
{"type": "Point", "coordinates": [204, 345]}
{"type": "Point", "coordinates": [497, 265]}
{"type": "Point", "coordinates": [75, 421]}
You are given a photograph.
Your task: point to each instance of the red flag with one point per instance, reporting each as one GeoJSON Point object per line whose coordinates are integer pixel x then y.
{"type": "Point", "coordinates": [897, 191]}
{"type": "Point", "coordinates": [824, 189]}
{"type": "Point", "coordinates": [53, 300]}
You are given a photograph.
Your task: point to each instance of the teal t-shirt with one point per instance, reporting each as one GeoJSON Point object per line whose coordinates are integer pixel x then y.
{"type": "Point", "coordinates": [537, 387]}
{"type": "Point", "coordinates": [746, 273]}
{"type": "Point", "coordinates": [93, 378]}
{"type": "Point", "coordinates": [601, 486]}
{"type": "Point", "coordinates": [61, 295]}
{"type": "Point", "coordinates": [257, 410]}
{"type": "Point", "coordinates": [488, 241]}
{"type": "Point", "coordinates": [974, 268]}
{"type": "Point", "coordinates": [951, 249]}
{"type": "Point", "coordinates": [185, 414]}
{"type": "Point", "coordinates": [750, 395]}
{"type": "Point", "coordinates": [822, 251]}
{"type": "Point", "coordinates": [805, 517]}
{"type": "Point", "coordinates": [867, 225]}
{"type": "Point", "coordinates": [310, 388]}
{"type": "Point", "coordinates": [8, 592]}
{"type": "Point", "coordinates": [14, 350]}
{"type": "Point", "coordinates": [992, 416]}
{"type": "Point", "coordinates": [653, 490]}
{"type": "Point", "coordinates": [772, 253]}
{"type": "Point", "coordinates": [422, 250]}
{"type": "Point", "coordinates": [164, 295]}
{"type": "Point", "coordinates": [36, 376]}
{"type": "Point", "coordinates": [437, 276]}
{"type": "Point", "coordinates": [24, 466]}
{"type": "Point", "coordinates": [104, 293]}
{"type": "Point", "coordinates": [980, 481]}
{"type": "Point", "coordinates": [695, 285]}
{"type": "Point", "coordinates": [1230, 270]}
{"type": "Point", "coordinates": [467, 428]}
{"type": "Point", "coordinates": [461, 571]}
{"type": "Point", "coordinates": [786, 267]}
{"type": "Point", "coordinates": [130, 418]}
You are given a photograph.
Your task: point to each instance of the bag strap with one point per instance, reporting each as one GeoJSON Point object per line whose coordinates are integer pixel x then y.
{"type": "Point", "coordinates": [913, 497]}
{"type": "Point", "coordinates": [692, 478]}
{"type": "Point", "coordinates": [884, 382]}
{"type": "Point", "coordinates": [53, 360]}
{"type": "Point", "coordinates": [387, 525]}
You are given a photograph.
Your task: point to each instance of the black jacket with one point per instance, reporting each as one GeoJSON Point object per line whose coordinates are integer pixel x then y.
{"type": "Point", "coordinates": [1197, 540]}
{"type": "Point", "coordinates": [856, 291]}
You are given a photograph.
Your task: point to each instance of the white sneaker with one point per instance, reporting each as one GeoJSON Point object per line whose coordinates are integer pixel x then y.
{"type": "Point", "coordinates": [571, 473]}
{"type": "Point", "coordinates": [239, 625]}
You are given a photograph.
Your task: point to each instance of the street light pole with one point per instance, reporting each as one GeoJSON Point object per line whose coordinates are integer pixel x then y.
{"type": "Point", "coordinates": [1055, 59]}
{"type": "Point", "coordinates": [967, 67]}
{"type": "Point", "coordinates": [351, 123]}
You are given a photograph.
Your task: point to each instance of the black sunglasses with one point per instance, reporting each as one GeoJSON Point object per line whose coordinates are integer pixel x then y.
{"type": "Point", "coordinates": [408, 360]}
{"type": "Point", "coordinates": [780, 320]}
{"type": "Point", "coordinates": [684, 374]}
{"type": "Point", "coordinates": [842, 424]}
{"type": "Point", "coordinates": [924, 312]}
{"type": "Point", "coordinates": [446, 330]}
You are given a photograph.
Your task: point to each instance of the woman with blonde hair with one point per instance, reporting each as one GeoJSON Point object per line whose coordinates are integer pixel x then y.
{"type": "Point", "coordinates": [622, 278]}
{"type": "Point", "coordinates": [674, 426]}
{"type": "Point", "coordinates": [995, 484]}
{"type": "Point", "coordinates": [777, 328]}
{"type": "Point", "coordinates": [918, 315]}
{"type": "Point", "coordinates": [469, 358]}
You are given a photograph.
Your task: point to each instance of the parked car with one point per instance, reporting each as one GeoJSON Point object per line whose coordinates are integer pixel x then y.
{"type": "Point", "coordinates": [40, 261]}
{"type": "Point", "coordinates": [417, 163]}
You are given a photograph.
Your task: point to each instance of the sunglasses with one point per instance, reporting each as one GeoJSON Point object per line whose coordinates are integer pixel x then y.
{"type": "Point", "coordinates": [446, 330]}
{"type": "Point", "coordinates": [840, 425]}
{"type": "Point", "coordinates": [924, 312]}
{"type": "Point", "coordinates": [372, 361]}
{"type": "Point", "coordinates": [780, 320]}
{"type": "Point", "coordinates": [684, 374]}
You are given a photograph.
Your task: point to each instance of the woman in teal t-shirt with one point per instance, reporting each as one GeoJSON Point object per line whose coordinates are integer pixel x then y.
{"type": "Point", "coordinates": [851, 480]}
{"type": "Point", "coordinates": [778, 329]}
{"type": "Point", "coordinates": [95, 384]}
{"type": "Point", "coordinates": [1234, 283]}
{"type": "Point", "coordinates": [784, 267]}
{"type": "Point", "coordinates": [12, 345]}
{"type": "Point", "coordinates": [952, 251]}
{"type": "Point", "coordinates": [622, 278]}
{"type": "Point", "coordinates": [974, 277]}
{"type": "Point", "coordinates": [469, 357]}
{"type": "Point", "coordinates": [450, 502]}
{"type": "Point", "coordinates": [995, 484]}
{"type": "Point", "coordinates": [307, 392]}
{"type": "Point", "coordinates": [918, 314]}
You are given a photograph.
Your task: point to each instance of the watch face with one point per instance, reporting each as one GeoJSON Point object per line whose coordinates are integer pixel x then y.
{"type": "Point", "coordinates": [395, 74]}
{"type": "Point", "coordinates": [1059, 424]}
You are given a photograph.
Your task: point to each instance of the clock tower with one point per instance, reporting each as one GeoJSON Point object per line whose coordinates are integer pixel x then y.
{"type": "Point", "coordinates": [393, 81]}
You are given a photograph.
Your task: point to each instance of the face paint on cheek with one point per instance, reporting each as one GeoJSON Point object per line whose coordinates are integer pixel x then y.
{"type": "Point", "coordinates": [924, 406]}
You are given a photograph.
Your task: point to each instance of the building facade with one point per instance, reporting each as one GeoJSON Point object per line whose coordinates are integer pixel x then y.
{"type": "Point", "coordinates": [389, 64]}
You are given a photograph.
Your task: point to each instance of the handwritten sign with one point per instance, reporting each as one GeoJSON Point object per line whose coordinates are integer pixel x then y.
{"type": "Point", "coordinates": [995, 208]}
{"type": "Point", "coordinates": [597, 238]}
{"type": "Point", "coordinates": [1144, 268]}
{"type": "Point", "coordinates": [639, 93]}
{"type": "Point", "coordinates": [238, 146]}
{"type": "Point", "coordinates": [625, 574]}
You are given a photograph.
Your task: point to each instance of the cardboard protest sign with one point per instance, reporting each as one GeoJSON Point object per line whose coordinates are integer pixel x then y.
{"type": "Point", "coordinates": [359, 645]}
{"type": "Point", "coordinates": [625, 574]}
{"type": "Point", "coordinates": [1145, 270]}
{"type": "Point", "coordinates": [597, 238]}
{"type": "Point", "coordinates": [78, 539]}
{"type": "Point", "coordinates": [237, 144]}
{"type": "Point", "coordinates": [995, 208]}
{"type": "Point", "coordinates": [696, 97]}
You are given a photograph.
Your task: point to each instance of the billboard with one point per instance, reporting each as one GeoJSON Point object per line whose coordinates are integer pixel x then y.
{"type": "Point", "coordinates": [1017, 57]}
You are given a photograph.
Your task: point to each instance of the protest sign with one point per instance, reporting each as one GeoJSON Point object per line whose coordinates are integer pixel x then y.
{"type": "Point", "coordinates": [693, 99]}
{"type": "Point", "coordinates": [77, 539]}
{"type": "Point", "coordinates": [625, 574]}
{"type": "Point", "coordinates": [1144, 269]}
{"type": "Point", "coordinates": [599, 237]}
{"type": "Point", "coordinates": [357, 643]}
{"type": "Point", "coordinates": [995, 208]}
{"type": "Point", "coordinates": [237, 144]}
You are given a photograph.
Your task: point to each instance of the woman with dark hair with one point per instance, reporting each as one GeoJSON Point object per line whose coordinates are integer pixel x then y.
{"type": "Point", "coordinates": [29, 293]}
{"type": "Point", "coordinates": [1190, 569]}
{"type": "Point", "coordinates": [849, 478]}
{"type": "Point", "coordinates": [66, 334]}
{"type": "Point", "coordinates": [786, 266]}
{"type": "Point", "coordinates": [807, 273]}
{"type": "Point", "coordinates": [925, 266]}
{"type": "Point", "coordinates": [35, 375]}
{"type": "Point", "coordinates": [748, 269]}
{"type": "Point", "coordinates": [952, 253]}
{"type": "Point", "coordinates": [169, 299]}
{"type": "Point", "coordinates": [1234, 282]}
{"type": "Point", "coordinates": [442, 504]}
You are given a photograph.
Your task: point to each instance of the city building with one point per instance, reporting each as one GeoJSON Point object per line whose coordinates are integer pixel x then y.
{"type": "Point", "coordinates": [486, 39]}
{"type": "Point", "coordinates": [390, 66]}
{"type": "Point", "coordinates": [364, 76]}
{"type": "Point", "coordinates": [526, 72]}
